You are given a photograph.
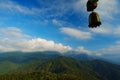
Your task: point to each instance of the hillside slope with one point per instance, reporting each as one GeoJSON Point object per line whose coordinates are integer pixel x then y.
{"type": "Point", "coordinates": [64, 68]}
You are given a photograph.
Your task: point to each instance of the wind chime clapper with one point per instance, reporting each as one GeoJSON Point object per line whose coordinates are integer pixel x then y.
{"type": "Point", "coordinates": [94, 19]}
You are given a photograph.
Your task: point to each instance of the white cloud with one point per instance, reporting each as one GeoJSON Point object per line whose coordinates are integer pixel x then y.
{"type": "Point", "coordinates": [103, 29]}
{"type": "Point", "coordinates": [81, 49]}
{"type": "Point", "coordinates": [107, 8]}
{"type": "Point", "coordinates": [12, 39]}
{"type": "Point", "coordinates": [61, 23]}
{"type": "Point", "coordinates": [15, 40]}
{"type": "Point", "coordinates": [107, 29]}
{"type": "Point", "coordinates": [39, 44]}
{"type": "Point", "coordinates": [113, 49]}
{"type": "Point", "coordinates": [116, 30]}
{"type": "Point", "coordinates": [98, 54]}
{"type": "Point", "coordinates": [78, 34]}
{"type": "Point", "coordinates": [56, 22]}
{"type": "Point", "coordinates": [12, 32]}
{"type": "Point", "coordinates": [10, 6]}
{"type": "Point", "coordinates": [80, 6]}
{"type": "Point", "coordinates": [117, 42]}
{"type": "Point", "coordinates": [59, 7]}
{"type": "Point", "coordinates": [111, 52]}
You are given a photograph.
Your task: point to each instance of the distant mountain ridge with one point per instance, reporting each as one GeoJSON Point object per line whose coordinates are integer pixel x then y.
{"type": "Point", "coordinates": [71, 65]}
{"type": "Point", "coordinates": [22, 57]}
{"type": "Point", "coordinates": [64, 68]}
{"type": "Point", "coordinates": [79, 56]}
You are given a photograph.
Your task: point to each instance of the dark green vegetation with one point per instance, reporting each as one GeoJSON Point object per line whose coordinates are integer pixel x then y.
{"type": "Point", "coordinates": [10, 61]}
{"type": "Point", "coordinates": [53, 66]}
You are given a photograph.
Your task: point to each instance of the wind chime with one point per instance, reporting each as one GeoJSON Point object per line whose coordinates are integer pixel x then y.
{"type": "Point", "coordinates": [94, 19]}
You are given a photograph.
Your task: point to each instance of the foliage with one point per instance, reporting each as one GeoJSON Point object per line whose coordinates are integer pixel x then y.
{"type": "Point", "coordinates": [59, 68]}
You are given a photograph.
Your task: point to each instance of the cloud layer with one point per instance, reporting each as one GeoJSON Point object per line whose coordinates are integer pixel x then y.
{"type": "Point", "coordinates": [60, 12]}
{"type": "Point", "coordinates": [81, 49]}
{"type": "Point", "coordinates": [107, 29]}
{"type": "Point", "coordinates": [113, 49]}
{"type": "Point", "coordinates": [78, 34]}
{"type": "Point", "coordinates": [107, 9]}
{"type": "Point", "coordinates": [12, 39]}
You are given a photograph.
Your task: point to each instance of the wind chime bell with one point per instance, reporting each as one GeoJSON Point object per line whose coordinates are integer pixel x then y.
{"type": "Point", "coordinates": [94, 20]}
{"type": "Point", "coordinates": [93, 1]}
{"type": "Point", "coordinates": [91, 5]}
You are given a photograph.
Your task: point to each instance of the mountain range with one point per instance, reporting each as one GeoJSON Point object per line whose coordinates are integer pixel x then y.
{"type": "Point", "coordinates": [50, 65]}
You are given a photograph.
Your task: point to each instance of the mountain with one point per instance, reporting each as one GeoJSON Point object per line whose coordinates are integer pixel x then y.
{"type": "Point", "coordinates": [114, 58]}
{"type": "Point", "coordinates": [107, 70]}
{"type": "Point", "coordinates": [64, 68]}
{"type": "Point", "coordinates": [50, 65]}
{"type": "Point", "coordinates": [93, 69]}
{"type": "Point", "coordinates": [7, 66]}
{"type": "Point", "coordinates": [79, 56]}
{"type": "Point", "coordinates": [12, 60]}
{"type": "Point", "coordinates": [24, 57]}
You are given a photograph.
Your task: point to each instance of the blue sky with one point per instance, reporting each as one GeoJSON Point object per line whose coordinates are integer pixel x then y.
{"type": "Point", "coordinates": [60, 25]}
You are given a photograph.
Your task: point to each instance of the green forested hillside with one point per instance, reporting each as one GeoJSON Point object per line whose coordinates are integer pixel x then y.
{"type": "Point", "coordinates": [64, 68]}
{"type": "Point", "coordinates": [107, 70]}
{"type": "Point", "coordinates": [7, 66]}
{"type": "Point", "coordinates": [10, 61]}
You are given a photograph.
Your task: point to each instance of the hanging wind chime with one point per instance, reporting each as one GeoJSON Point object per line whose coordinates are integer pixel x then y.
{"type": "Point", "coordinates": [94, 19]}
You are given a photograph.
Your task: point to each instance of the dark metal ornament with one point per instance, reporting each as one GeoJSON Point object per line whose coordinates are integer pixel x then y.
{"type": "Point", "coordinates": [94, 20]}
{"type": "Point", "coordinates": [93, 1]}
{"type": "Point", "coordinates": [91, 5]}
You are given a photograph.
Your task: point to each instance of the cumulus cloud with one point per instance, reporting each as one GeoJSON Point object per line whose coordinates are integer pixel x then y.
{"type": "Point", "coordinates": [12, 39]}
{"type": "Point", "coordinates": [78, 34]}
{"type": "Point", "coordinates": [81, 49]}
{"type": "Point", "coordinates": [39, 44]}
